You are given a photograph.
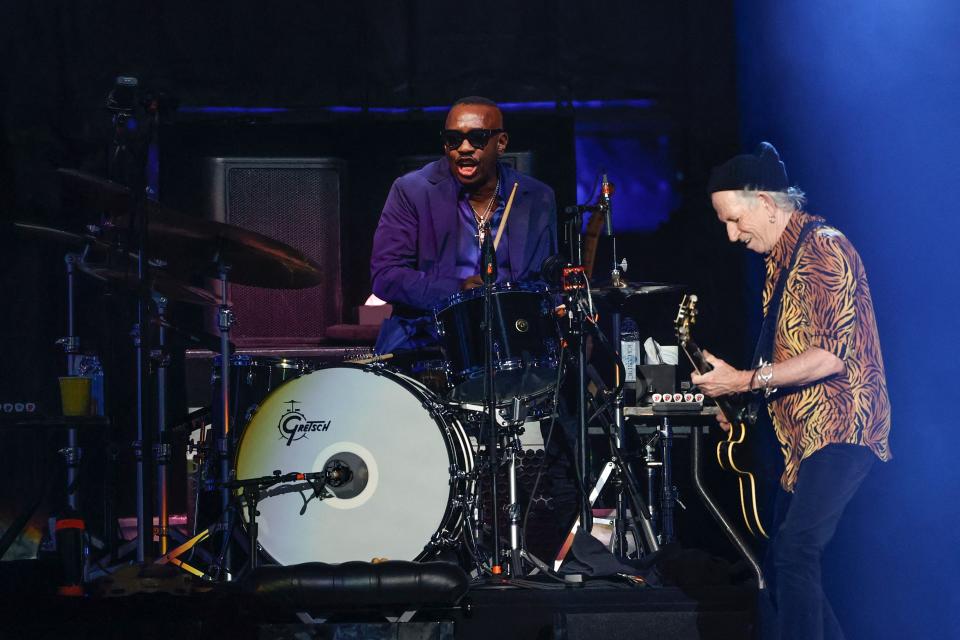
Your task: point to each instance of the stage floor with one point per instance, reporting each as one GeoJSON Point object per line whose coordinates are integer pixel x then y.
{"type": "Point", "coordinates": [598, 609]}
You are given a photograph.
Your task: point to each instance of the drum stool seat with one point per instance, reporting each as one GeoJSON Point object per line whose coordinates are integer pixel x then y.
{"type": "Point", "coordinates": [396, 585]}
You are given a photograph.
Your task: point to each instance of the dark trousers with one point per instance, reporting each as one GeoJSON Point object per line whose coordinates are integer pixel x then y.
{"type": "Point", "coordinates": [795, 605]}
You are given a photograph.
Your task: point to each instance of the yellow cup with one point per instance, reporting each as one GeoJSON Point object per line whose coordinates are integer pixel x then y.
{"type": "Point", "coordinates": [75, 395]}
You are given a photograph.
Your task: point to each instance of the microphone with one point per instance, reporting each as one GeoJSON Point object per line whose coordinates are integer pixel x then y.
{"type": "Point", "coordinates": [123, 96]}
{"type": "Point", "coordinates": [606, 190]}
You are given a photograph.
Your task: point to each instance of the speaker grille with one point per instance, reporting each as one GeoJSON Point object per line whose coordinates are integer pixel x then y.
{"type": "Point", "coordinates": [296, 202]}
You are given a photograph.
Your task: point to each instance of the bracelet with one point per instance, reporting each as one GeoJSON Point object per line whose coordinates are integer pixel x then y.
{"type": "Point", "coordinates": [753, 378]}
{"type": "Point", "coordinates": [765, 378]}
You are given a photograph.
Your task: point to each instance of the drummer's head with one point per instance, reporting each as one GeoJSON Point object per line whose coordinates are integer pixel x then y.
{"type": "Point", "coordinates": [473, 140]}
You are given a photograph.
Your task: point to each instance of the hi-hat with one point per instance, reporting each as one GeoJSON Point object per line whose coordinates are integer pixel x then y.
{"type": "Point", "coordinates": [636, 294]}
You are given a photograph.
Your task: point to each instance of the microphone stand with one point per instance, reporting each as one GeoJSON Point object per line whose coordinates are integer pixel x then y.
{"type": "Point", "coordinates": [577, 329]}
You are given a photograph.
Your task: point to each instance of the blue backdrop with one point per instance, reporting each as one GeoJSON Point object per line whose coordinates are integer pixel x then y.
{"type": "Point", "coordinates": [862, 99]}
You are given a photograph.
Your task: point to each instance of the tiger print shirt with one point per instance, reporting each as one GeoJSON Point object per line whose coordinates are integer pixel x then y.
{"type": "Point", "coordinates": [826, 304]}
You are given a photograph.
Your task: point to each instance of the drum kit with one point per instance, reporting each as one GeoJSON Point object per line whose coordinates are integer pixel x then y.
{"type": "Point", "coordinates": [358, 460]}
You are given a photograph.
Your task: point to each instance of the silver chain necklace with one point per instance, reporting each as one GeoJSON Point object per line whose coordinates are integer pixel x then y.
{"type": "Point", "coordinates": [481, 218]}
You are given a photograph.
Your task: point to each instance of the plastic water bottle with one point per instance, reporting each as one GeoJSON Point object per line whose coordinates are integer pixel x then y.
{"type": "Point", "coordinates": [630, 348]}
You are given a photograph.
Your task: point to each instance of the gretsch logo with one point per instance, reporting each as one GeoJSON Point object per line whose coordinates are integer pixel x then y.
{"type": "Point", "coordinates": [294, 425]}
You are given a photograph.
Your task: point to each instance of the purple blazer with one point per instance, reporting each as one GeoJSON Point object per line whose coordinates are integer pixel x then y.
{"type": "Point", "coordinates": [415, 245]}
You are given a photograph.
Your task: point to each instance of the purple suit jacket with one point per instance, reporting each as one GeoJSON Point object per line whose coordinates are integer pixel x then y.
{"type": "Point", "coordinates": [415, 245]}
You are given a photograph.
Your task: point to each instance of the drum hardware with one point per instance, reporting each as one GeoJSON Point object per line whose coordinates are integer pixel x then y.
{"type": "Point", "coordinates": [410, 462]}
{"type": "Point", "coordinates": [188, 247]}
{"type": "Point", "coordinates": [253, 488]}
{"type": "Point", "coordinates": [524, 346]}
{"type": "Point", "coordinates": [579, 308]}
{"type": "Point", "coordinates": [162, 447]}
{"type": "Point", "coordinates": [488, 270]}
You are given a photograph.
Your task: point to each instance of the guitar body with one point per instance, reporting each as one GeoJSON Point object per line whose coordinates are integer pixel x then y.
{"type": "Point", "coordinates": [733, 453]}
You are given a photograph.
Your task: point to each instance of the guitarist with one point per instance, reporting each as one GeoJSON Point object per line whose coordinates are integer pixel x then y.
{"type": "Point", "coordinates": [819, 367]}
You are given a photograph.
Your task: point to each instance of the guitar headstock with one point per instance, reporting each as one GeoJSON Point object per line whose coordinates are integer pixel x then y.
{"type": "Point", "coordinates": [686, 317]}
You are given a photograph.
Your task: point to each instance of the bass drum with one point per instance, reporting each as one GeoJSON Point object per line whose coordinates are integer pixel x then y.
{"type": "Point", "coordinates": [407, 459]}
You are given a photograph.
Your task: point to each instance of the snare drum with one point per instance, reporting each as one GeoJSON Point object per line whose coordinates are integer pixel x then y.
{"type": "Point", "coordinates": [408, 459]}
{"type": "Point", "coordinates": [525, 342]}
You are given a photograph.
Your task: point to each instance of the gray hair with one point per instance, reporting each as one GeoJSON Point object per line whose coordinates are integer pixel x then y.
{"type": "Point", "coordinates": [793, 199]}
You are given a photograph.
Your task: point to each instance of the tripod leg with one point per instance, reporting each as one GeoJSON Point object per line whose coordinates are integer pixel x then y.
{"type": "Point", "coordinates": [597, 488]}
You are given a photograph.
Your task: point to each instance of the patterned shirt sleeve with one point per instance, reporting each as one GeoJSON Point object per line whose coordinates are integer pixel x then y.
{"type": "Point", "coordinates": [827, 277]}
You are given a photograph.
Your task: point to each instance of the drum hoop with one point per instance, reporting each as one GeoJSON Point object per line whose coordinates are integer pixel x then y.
{"type": "Point", "coordinates": [251, 360]}
{"type": "Point", "coordinates": [510, 364]}
{"type": "Point", "coordinates": [522, 286]}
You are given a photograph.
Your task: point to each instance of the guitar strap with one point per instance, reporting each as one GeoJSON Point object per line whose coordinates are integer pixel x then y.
{"type": "Point", "coordinates": [764, 348]}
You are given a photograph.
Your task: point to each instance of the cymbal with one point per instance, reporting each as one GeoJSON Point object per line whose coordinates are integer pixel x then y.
{"type": "Point", "coordinates": [627, 289]}
{"type": "Point", "coordinates": [198, 247]}
{"type": "Point", "coordinates": [59, 236]}
{"type": "Point", "coordinates": [157, 281]}
{"type": "Point", "coordinates": [631, 294]}
{"type": "Point", "coordinates": [194, 246]}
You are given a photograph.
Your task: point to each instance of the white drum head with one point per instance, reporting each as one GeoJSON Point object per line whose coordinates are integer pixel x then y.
{"type": "Point", "coordinates": [379, 429]}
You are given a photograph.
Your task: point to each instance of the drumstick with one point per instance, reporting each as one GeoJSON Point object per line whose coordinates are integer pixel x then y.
{"type": "Point", "coordinates": [506, 214]}
{"type": "Point", "coordinates": [371, 359]}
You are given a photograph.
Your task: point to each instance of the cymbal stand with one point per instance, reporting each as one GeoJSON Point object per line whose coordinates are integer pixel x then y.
{"type": "Point", "coordinates": [624, 479]}
{"type": "Point", "coordinates": [128, 162]}
{"type": "Point", "coordinates": [574, 281]}
{"type": "Point", "coordinates": [620, 540]}
{"type": "Point", "coordinates": [162, 448]}
{"type": "Point", "coordinates": [72, 453]}
{"type": "Point", "coordinates": [225, 319]}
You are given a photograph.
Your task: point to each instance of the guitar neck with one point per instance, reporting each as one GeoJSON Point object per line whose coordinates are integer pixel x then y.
{"type": "Point", "coordinates": [731, 406]}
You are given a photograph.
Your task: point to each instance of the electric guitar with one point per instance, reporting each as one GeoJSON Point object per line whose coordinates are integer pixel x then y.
{"type": "Point", "coordinates": [735, 409]}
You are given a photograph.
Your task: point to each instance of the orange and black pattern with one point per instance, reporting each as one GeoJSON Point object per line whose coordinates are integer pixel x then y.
{"type": "Point", "coordinates": [826, 304]}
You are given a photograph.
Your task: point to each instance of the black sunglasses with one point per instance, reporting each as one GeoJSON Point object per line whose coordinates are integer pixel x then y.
{"type": "Point", "coordinates": [478, 138]}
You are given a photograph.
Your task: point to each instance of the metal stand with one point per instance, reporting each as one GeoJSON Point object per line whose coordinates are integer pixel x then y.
{"type": "Point", "coordinates": [225, 320]}
{"type": "Point", "coordinates": [162, 448]}
{"type": "Point", "coordinates": [72, 454]}
{"type": "Point", "coordinates": [668, 491]}
{"type": "Point", "coordinates": [652, 468]}
{"type": "Point", "coordinates": [624, 480]}
{"type": "Point", "coordinates": [128, 165]}
{"type": "Point", "coordinates": [717, 514]}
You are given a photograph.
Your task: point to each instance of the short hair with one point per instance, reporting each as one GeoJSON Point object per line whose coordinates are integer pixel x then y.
{"type": "Point", "coordinates": [487, 102]}
{"type": "Point", "coordinates": [793, 199]}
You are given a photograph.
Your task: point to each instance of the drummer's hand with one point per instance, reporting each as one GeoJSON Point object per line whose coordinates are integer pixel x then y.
{"type": "Point", "coordinates": [722, 380]}
{"type": "Point", "coordinates": [472, 282]}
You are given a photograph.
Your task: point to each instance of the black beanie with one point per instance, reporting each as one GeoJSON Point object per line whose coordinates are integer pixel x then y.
{"type": "Point", "coordinates": [761, 170]}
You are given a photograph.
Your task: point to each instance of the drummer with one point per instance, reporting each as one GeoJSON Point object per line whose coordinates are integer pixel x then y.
{"type": "Point", "coordinates": [427, 244]}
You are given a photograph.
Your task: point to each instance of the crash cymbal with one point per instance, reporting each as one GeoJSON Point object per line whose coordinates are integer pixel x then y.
{"type": "Point", "coordinates": [59, 236]}
{"type": "Point", "coordinates": [193, 246]}
{"type": "Point", "coordinates": [158, 281]}
{"type": "Point", "coordinates": [198, 247]}
{"type": "Point", "coordinates": [98, 195]}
